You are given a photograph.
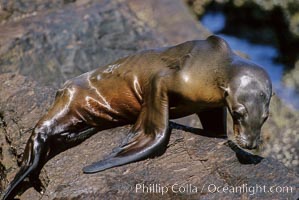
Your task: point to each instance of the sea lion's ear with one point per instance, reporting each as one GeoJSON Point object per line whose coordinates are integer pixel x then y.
{"type": "Point", "coordinates": [225, 90]}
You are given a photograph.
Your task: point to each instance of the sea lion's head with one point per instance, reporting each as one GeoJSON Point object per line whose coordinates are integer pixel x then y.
{"type": "Point", "coordinates": [248, 97]}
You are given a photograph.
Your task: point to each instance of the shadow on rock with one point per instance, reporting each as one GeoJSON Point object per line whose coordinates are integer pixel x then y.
{"type": "Point", "coordinates": [197, 131]}
{"type": "Point", "coordinates": [244, 157]}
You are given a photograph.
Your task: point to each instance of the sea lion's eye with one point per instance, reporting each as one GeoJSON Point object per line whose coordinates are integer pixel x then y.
{"type": "Point", "coordinates": [238, 115]}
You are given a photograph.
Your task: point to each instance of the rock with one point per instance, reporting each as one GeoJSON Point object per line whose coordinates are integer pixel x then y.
{"type": "Point", "coordinates": [66, 42]}
{"type": "Point", "coordinates": [192, 166]}
{"type": "Point", "coordinates": [280, 134]}
{"type": "Point", "coordinates": [291, 78]}
{"type": "Point", "coordinates": [22, 103]}
{"type": "Point", "coordinates": [156, 15]}
{"type": "Point", "coordinates": [67, 38]}
{"type": "Point", "coordinates": [15, 10]}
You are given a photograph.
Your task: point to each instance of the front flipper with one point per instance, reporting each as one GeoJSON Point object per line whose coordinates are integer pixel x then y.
{"type": "Point", "coordinates": [147, 137]}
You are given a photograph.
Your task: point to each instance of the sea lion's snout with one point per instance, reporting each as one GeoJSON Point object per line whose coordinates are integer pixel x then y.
{"type": "Point", "coordinates": [248, 143]}
{"type": "Point", "coordinates": [247, 122]}
{"type": "Point", "coordinates": [251, 145]}
{"type": "Point", "coordinates": [246, 139]}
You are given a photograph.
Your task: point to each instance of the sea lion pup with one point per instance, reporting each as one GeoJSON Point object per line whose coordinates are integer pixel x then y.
{"type": "Point", "coordinates": [148, 89]}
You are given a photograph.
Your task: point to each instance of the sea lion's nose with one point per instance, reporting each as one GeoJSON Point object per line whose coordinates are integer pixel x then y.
{"type": "Point", "coordinates": [251, 144]}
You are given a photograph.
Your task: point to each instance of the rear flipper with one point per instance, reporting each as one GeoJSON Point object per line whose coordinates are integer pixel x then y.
{"type": "Point", "coordinates": [149, 136]}
{"type": "Point", "coordinates": [141, 147]}
{"type": "Point", "coordinates": [38, 151]}
{"type": "Point", "coordinates": [33, 160]}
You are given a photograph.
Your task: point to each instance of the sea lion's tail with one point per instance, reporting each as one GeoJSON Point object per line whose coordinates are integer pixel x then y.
{"type": "Point", "coordinates": [30, 165]}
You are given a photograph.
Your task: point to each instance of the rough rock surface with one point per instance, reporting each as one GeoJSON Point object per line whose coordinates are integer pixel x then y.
{"type": "Point", "coordinates": [62, 39]}
{"type": "Point", "coordinates": [66, 42]}
{"type": "Point", "coordinates": [280, 134]}
{"type": "Point", "coordinates": [291, 79]}
{"type": "Point", "coordinates": [22, 103]}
